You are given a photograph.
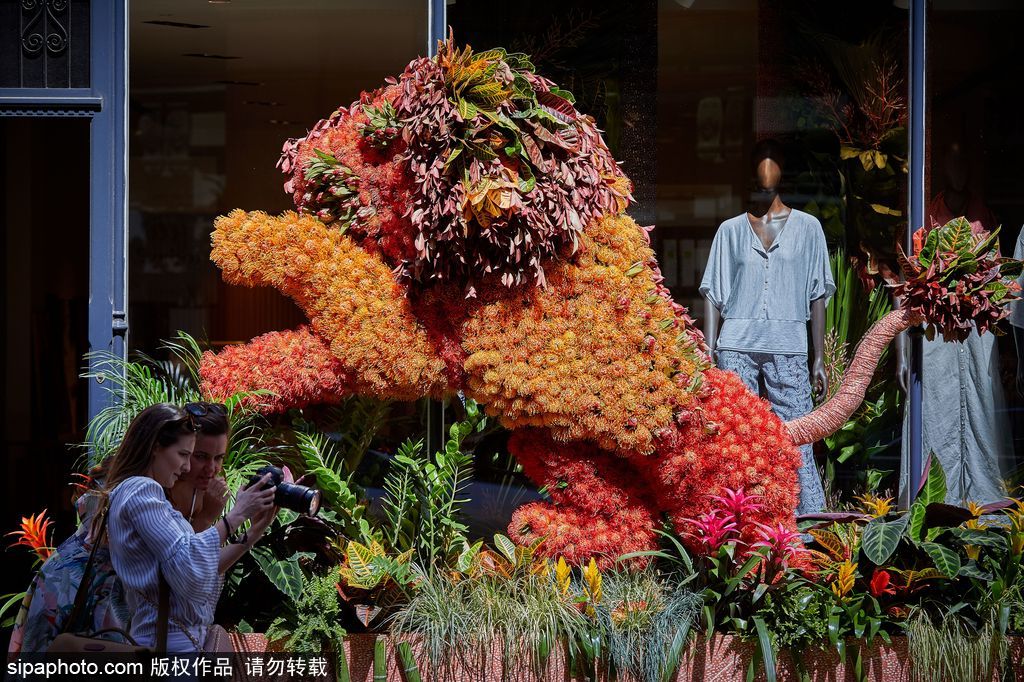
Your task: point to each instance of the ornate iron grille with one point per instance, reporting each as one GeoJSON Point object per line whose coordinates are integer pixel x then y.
{"type": "Point", "coordinates": [44, 43]}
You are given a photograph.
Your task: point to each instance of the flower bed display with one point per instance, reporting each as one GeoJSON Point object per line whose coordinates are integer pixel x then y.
{"type": "Point", "coordinates": [462, 231]}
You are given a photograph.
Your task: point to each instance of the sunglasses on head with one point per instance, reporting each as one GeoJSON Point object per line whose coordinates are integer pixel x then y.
{"type": "Point", "coordinates": [196, 411]}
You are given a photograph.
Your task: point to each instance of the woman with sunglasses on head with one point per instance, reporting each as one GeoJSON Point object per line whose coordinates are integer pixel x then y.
{"type": "Point", "coordinates": [151, 541]}
{"type": "Point", "coordinates": [200, 496]}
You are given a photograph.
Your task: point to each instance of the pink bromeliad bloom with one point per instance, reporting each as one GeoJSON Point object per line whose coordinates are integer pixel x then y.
{"type": "Point", "coordinates": [713, 530]}
{"type": "Point", "coordinates": [783, 546]}
{"type": "Point", "coordinates": [739, 505]}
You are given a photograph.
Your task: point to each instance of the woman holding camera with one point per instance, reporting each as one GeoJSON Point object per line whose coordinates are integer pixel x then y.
{"type": "Point", "coordinates": [200, 496]}
{"type": "Point", "coordinates": [151, 541]}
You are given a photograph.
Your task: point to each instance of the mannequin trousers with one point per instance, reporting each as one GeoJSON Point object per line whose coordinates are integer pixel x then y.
{"type": "Point", "coordinates": [785, 382]}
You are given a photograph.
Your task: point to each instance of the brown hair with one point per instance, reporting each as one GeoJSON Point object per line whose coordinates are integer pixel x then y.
{"type": "Point", "coordinates": [158, 425]}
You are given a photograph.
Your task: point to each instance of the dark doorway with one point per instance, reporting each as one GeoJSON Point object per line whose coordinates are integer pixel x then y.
{"type": "Point", "coordinates": [45, 176]}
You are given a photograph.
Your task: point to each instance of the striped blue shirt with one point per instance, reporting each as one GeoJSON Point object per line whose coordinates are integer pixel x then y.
{"type": "Point", "coordinates": [765, 296]}
{"type": "Point", "coordinates": [145, 532]}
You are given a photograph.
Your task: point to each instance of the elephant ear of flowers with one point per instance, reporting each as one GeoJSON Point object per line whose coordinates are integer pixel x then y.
{"type": "Point", "coordinates": [958, 281]}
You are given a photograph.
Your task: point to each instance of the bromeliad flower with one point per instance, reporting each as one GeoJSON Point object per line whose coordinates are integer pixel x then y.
{"type": "Point", "coordinates": [783, 545]}
{"type": "Point", "coordinates": [738, 504]}
{"type": "Point", "coordinates": [1016, 517]}
{"type": "Point", "coordinates": [875, 505]}
{"type": "Point", "coordinates": [33, 534]}
{"type": "Point", "coordinates": [843, 583]}
{"type": "Point", "coordinates": [81, 486]}
{"type": "Point", "coordinates": [881, 583]}
{"type": "Point", "coordinates": [713, 530]}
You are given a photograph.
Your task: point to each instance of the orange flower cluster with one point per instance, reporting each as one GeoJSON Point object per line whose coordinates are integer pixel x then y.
{"type": "Point", "coordinates": [296, 367]}
{"type": "Point", "coordinates": [601, 509]}
{"type": "Point", "coordinates": [598, 355]}
{"type": "Point", "coordinates": [349, 295]}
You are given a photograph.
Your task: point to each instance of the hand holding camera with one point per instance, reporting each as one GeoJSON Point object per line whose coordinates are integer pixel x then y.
{"type": "Point", "coordinates": [293, 496]}
{"type": "Point", "coordinates": [250, 501]}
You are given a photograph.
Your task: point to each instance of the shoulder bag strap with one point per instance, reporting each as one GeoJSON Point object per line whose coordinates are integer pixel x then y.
{"type": "Point", "coordinates": [86, 582]}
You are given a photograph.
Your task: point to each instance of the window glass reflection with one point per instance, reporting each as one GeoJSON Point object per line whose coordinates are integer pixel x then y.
{"type": "Point", "coordinates": [974, 140]}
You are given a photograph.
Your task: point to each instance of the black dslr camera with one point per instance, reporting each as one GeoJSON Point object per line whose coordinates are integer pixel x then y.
{"type": "Point", "coordinates": [298, 498]}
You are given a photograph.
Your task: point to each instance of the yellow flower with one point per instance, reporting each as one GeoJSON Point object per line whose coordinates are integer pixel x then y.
{"type": "Point", "coordinates": [592, 578]}
{"type": "Point", "coordinates": [1016, 517]}
{"type": "Point", "coordinates": [563, 576]}
{"type": "Point", "coordinates": [976, 511]}
{"type": "Point", "coordinates": [874, 505]}
{"type": "Point", "coordinates": [845, 576]}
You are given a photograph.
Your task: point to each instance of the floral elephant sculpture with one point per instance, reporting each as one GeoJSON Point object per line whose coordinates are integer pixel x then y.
{"type": "Point", "coordinates": [463, 228]}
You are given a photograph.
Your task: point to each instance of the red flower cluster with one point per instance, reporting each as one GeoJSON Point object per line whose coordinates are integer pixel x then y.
{"type": "Point", "coordinates": [732, 441]}
{"type": "Point", "coordinates": [600, 508]}
{"type": "Point", "coordinates": [289, 369]}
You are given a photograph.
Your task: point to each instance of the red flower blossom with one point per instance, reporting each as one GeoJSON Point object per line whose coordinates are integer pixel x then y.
{"type": "Point", "coordinates": [783, 544]}
{"type": "Point", "coordinates": [881, 583]}
{"type": "Point", "coordinates": [738, 504]}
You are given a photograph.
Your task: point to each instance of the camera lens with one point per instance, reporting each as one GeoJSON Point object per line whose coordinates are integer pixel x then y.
{"type": "Point", "coordinates": [297, 498]}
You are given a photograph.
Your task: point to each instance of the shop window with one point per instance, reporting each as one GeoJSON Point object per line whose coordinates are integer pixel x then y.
{"type": "Point", "coordinates": [215, 90]}
{"type": "Point", "coordinates": [974, 140]}
{"type": "Point", "coordinates": [685, 90]}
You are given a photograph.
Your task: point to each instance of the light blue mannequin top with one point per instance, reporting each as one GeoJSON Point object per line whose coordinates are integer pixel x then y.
{"type": "Point", "coordinates": [764, 296]}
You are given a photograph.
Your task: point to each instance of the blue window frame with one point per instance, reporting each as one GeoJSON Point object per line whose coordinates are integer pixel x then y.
{"type": "Point", "coordinates": [104, 102]}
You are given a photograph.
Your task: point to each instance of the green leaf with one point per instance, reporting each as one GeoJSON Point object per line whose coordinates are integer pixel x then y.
{"type": "Point", "coordinates": [935, 486]}
{"type": "Point", "coordinates": [469, 553]}
{"type": "Point", "coordinates": [881, 538]}
{"type": "Point", "coordinates": [767, 652]}
{"type": "Point", "coordinates": [12, 600]}
{"type": "Point", "coordinates": [285, 575]}
{"type": "Point", "coordinates": [916, 525]}
{"type": "Point", "coordinates": [453, 154]}
{"type": "Point", "coordinates": [527, 180]}
{"type": "Point", "coordinates": [945, 559]}
{"type": "Point", "coordinates": [505, 546]}
{"type": "Point", "coordinates": [979, 537]}
{"type": "Point", "coordinates": [971, 570]}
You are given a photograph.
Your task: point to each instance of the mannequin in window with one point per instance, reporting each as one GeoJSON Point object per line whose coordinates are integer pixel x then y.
{"type": "Point", "coordinates": [767, 275]}
{"type": "Point", "coordinates": [963, 416]}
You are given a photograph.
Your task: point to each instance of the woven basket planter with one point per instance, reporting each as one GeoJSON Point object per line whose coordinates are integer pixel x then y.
{"type": "Point", "coordinates": [720, 659]}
